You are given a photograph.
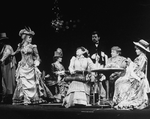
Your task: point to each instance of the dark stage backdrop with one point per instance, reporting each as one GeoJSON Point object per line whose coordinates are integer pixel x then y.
{"type": "Point", "coordinates": [119, 23]}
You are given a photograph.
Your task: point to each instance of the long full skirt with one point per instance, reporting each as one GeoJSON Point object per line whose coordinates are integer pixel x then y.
{"type": "Point", "coordinates": [78, 94]}
{"type": "Point", "coordinates": [130, 94]}
{"type": "Point", "coordinates": [28, 89]}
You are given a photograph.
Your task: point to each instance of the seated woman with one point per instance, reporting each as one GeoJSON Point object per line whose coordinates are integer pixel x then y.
{"type": "Point", "coordinates": [79, 90]}
{"type": "Point", "coordinates": [56, 83]}
{"type": "Point", "coordinates": [132, 88]}
{"type": "Point", "coordinates": [115, 61]}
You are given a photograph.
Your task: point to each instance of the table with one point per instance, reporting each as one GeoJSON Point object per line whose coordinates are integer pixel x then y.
{"type": "Point", "coordinates": [107, 72]}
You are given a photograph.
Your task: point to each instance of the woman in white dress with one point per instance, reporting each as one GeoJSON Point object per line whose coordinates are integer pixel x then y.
{"type": "Point", "coordinates": [79, 89]}
{"type": "Point", "coordinates": [28, 76]}
{"type": "Point", "coordinates": [132, 88]}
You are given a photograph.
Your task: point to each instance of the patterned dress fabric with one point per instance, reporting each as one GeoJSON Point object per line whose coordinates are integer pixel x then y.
{"type": "Point", "coordinates": [78, 92]}
{"type": "Point", "coordinates": [116, 62]}
{"type": "Point", "coordinates": [57, 81]}
{"type": "Point", "coordinates": [29, 89]}
{"type": "Point", "coordinates": [132, 88]}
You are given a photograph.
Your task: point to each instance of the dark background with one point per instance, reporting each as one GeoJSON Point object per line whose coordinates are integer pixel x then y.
{"type": "Point", "coordinates": [119, 23]}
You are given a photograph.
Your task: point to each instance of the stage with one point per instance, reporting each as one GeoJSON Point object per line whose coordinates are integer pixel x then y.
{"type": "Point", "coordinates": [56, 111]}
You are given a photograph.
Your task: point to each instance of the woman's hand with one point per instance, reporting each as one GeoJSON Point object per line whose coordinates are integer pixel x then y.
{"type": "Point", "coordinates": [36, 63]}
{"type": "Point", "coordinates": [18, 49]}
{"type": "Point", "coordinates": [128, 61]}
{"type": "Point", "coordinates": [47, 76]}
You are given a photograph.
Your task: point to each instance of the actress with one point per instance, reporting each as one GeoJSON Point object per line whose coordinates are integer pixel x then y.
{"type": "Point", "coordinates": [28, 90]}
{"type": "Point", "coordinates": [131, 89]}
{"type": "Point", "coordinates": [79, 90]}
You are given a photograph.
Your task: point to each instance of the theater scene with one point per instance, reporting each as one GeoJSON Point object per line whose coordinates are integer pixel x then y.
{"type": "Point", "coordinates": [75, 59]}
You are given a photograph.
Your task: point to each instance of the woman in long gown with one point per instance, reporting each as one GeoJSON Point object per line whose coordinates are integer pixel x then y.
{"type": "Point", "coordinates": [28, 76]}
{"type": "Point", "coordinates": [78, 92]}
{"type": "Point", "coordinates": [132, 88]}
{"type": "Point", "coordinates": [56, 83]}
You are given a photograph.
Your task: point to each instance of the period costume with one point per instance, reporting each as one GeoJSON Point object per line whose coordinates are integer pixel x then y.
{"type": "Point", "coordinates": [99, 58]}
{"type": "Point", "coordinates": [132, 88]}
{"type": "Point", "coordinates": [116, 61]}
{"type": "Point", "coordinates": [79, 91]}
{"type": "Point", "coordinates": [56, 83]}
{"type": "Point", "coordinates": [98, 53]}
{"type": "Point", "coordinates": [29, 89]}
{"type": "Point", "coordinates": [8, 68]}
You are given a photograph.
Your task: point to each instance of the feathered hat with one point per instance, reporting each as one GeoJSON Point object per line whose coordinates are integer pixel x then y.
{"type": "Point", "coordinates": [26, 31]}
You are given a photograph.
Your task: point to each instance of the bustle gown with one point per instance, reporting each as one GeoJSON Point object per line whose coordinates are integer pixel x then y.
{"type": "Point", "coordinates": [30, 87]}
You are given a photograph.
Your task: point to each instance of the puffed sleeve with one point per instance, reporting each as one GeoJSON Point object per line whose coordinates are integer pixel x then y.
{"type": "Point", "coordinates": [90, 64]}
{"type": "Point", "coordinates": [36, 55]}
{"type": "Point", "coordinates": [140, 63]}
{"type": "Point", "coordinates": [123, 62]}
{"type": "Point", "coordinates": [71, 65]}
{"type": "Point", "coordinates": [53, 68]}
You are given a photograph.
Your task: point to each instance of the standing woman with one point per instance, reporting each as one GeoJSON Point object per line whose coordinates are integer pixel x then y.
{"type": "Point", "coordinates": [8, 69]}
{"type": "Point", "coordinates": [131, 89]}
{"type": "Point", "coordinates": [79, 90]}
{"type": "Point", "coordinates": [28, 90]}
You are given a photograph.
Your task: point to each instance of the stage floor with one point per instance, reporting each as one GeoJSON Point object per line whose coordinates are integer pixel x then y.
{"type": "Point", "coordinates": [56, 111]}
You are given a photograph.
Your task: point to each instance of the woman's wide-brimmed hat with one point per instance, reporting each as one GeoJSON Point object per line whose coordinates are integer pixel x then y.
{"type": "Point", "coordinates": [3, 36]}
{"type": "Point", "coordinates": [143, 44]}
{"type": "Point", "coordinates": [58, 53]}
{"type": "Point", "coordinates": [26, 31]}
